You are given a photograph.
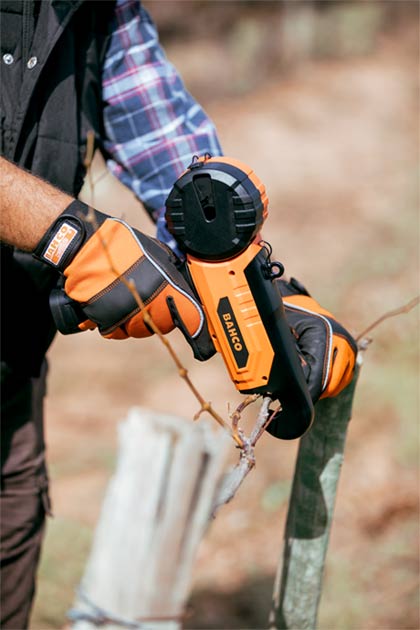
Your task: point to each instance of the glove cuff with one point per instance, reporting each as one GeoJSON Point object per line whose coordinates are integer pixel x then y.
{"type": "Point", "coordinates": [67, 234]}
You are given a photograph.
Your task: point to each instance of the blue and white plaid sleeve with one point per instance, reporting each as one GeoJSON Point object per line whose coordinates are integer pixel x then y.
{"type": "Point", "coordinates": [153, 126]}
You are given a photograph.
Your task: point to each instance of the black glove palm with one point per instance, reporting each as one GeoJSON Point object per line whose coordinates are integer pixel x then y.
{"type": "Point", "coordinates": [328, 351]}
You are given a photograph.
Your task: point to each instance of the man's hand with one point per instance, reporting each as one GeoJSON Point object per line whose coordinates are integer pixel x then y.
{"type": "Point", "coordinates": [94, 250]}
{"type": "Point", "coordinates": [327, 350]}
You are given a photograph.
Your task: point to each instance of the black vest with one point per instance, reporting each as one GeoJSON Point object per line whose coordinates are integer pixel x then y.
{"type": "Point", "coordinates": [51, 59]}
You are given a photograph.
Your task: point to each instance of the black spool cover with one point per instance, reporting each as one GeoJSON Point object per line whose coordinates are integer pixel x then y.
{"type": "Point", "coordinates": [214, 211]}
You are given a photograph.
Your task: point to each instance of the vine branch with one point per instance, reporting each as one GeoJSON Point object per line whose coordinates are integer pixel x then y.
{"type": "Point", "coordinates": [397, 311]}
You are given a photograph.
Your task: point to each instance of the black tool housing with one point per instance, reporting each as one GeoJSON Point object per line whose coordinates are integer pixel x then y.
{"type": "Point", "coordinates": [214, 210]}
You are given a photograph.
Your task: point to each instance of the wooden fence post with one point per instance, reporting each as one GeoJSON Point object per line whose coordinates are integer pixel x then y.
{"type": "Point", "coordinates": [155, 512]}
{"type": "Point", "coordinates": [298, 583]}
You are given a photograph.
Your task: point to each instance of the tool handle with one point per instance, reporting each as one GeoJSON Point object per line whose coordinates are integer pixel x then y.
{"type": "Point", "coordinates": [67, 314]}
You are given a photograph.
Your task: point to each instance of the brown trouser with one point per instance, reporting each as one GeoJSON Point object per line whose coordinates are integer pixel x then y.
{"type": "Point", "coordinates": [24, 493]}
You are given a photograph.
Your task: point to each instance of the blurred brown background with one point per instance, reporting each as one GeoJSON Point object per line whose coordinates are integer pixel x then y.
{"type": "Point", "coordinates": [321, 99]}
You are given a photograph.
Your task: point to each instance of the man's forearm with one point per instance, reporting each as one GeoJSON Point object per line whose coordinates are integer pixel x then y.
{"type": "Point", "coordinates": [28, 206]}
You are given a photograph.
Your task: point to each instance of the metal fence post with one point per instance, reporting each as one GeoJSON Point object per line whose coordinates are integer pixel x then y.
{"type": "Point", "coordinates": [298, 584]}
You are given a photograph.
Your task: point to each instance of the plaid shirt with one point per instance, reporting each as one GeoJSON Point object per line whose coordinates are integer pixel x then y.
{"type": "Point", "coordinates": [153, 126]}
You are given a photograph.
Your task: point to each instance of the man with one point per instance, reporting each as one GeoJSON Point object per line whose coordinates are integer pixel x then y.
{"type": "Point", "coordinates": [69, 67]}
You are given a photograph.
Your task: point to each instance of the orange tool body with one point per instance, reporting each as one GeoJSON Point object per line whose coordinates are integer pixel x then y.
{"type": "Point", "coordinates": [215, 212]}
{"type": "Point", "coordinates": [235, 325]}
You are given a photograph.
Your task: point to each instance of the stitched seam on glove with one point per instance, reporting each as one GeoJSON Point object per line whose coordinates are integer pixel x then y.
{"type": "Point", "coordinates": [115, 283]}
{"type": "Point", "coordinates": [136, 310]}
{"type": "Point", "coordinates": [330, 336]}
{"type": "Point", "coordinates": [168, 279]}
{"type": "Point", "coordinates": [123, 320]}
{"type": "Point", "coordinates": [146, 302]}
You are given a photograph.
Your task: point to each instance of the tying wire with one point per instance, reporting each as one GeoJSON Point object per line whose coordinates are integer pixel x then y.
{"type": "Point", "coordinates": [99, 617]}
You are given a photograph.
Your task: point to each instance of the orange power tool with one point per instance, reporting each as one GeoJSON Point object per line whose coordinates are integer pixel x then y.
{"type": "Point", "coordinates": [215, 212]}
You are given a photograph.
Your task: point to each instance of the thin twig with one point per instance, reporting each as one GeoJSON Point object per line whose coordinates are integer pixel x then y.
{"type": "Point", "coordinates": [398, 311]}
{"type": "Point", "coordinates": [236, 415]}
{"type": "Point", "coordinates": [263, 420]}
{"type": "Point", "coordinates": [233, 478]}
{"type": "Point", "coordinates": [148, 320]}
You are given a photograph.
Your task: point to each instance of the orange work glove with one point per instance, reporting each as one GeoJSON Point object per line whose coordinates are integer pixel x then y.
{"type": "Point", "coordinates": [88, 253]}
{"type": "Point", "coordinates": [327, 350]}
